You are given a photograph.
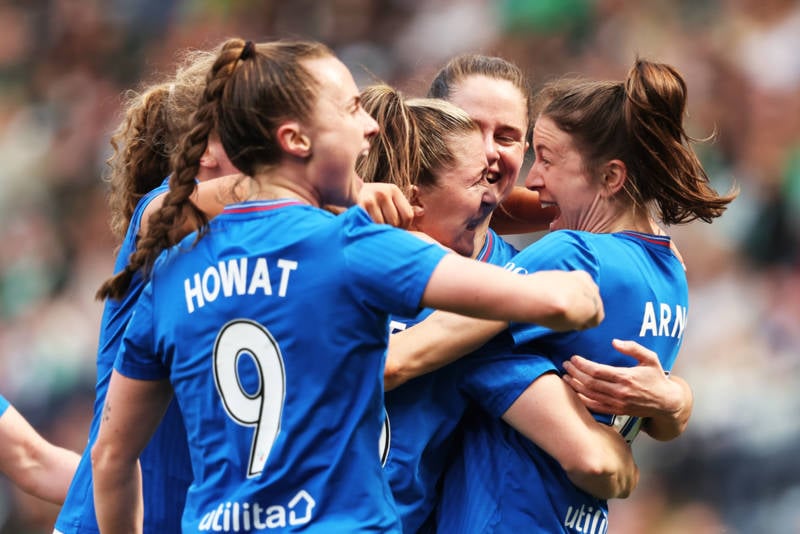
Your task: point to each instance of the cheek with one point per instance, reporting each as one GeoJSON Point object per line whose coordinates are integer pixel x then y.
{"type": "Point", "coordinates": [512, 159]}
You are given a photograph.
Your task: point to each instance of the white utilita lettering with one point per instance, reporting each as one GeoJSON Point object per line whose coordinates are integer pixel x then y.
{"type": "Point", "coordinates": [668, 322]}
{"type": "Point", "coordinates": [586, 520]}
{"type": "Point", "coordinates": [236, 277]}
{"type": "Point", "coordinates": [249, 517]}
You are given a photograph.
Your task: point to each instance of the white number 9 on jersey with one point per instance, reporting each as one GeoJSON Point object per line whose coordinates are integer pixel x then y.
{"type": "Point", "coordinates": [262, 408]}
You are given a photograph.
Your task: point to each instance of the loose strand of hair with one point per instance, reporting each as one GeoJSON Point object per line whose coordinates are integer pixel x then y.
{"type": "Point", "coordinates": [163, 228]}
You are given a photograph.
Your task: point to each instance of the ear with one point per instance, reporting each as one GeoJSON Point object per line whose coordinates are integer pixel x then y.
{"type": "Point", "coordinates": [209, 159]}
{"type": "Point", "coordinates": [415, 200]}
{"type": "Point", "coordinates": [414, 197]}
{"type": "Point", "coordinates": [293, 140]}
{"type": "Point", "coordinates": [615, 173]}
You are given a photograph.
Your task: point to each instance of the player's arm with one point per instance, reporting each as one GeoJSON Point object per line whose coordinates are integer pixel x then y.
{"type": "Point", "coordinates": [210, 196]}
{"type": "Point", "coordinates": [595, 457]}
{"type": "Point", "coordinates": [37, 466]}
{"type": "Point", "coordinates": [441, 338]}
{"type": "Point", "coordinates": [522, 213]}
{"type": "Point", "coordinates": [644, 390]}
{"type": "Point", "coordinates": [556, 299]}
{"type": "Point", "coordinates": [132, 411]}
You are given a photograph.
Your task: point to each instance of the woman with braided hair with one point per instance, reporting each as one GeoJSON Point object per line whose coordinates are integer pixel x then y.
{"type": "Point", "coordinates": [270, 322]}
{"type": "Point", "coordinates": [154, 120]}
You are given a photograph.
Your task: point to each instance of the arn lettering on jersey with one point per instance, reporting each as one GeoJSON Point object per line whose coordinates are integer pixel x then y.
{"type": "Point", "coordinates": [665, 323]}
{"type": "Point", "coordinates": [235, 277]}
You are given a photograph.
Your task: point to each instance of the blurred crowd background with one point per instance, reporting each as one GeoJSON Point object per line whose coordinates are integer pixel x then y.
{"type": "Point", "coordinates": [64, 65]}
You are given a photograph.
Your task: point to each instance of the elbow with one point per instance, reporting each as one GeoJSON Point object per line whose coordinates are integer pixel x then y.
{"type": "Point", "coordinates": [604, 476]}
{"type": "Point", "coordinates": [667, 431]}
{"type": "Point", "coordinates": [104, 462]}
{"type": "Point", "coordinates": [392, 376]}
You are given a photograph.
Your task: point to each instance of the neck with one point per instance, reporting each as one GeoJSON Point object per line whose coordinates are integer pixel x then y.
{"type": "Point", "coordinates": [631, 222]}
{"type": "Point", "coordinates": [480, 236]}
{"type": "Point", "coordinates": [276, 184]}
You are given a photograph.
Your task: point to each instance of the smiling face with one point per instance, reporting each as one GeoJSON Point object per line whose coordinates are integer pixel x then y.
{"type": "Point", "coordinates": [461, 198]}
{"type": "Point", "coordinates": [339, 131]}
{"type": "Point", "coordinates": [500, 109]}
{"type": "Point", "coordinates": [561, 178]}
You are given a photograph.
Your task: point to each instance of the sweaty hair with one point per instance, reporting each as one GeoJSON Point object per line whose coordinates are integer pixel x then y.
{"type": "Point", "coordinates": [640, 122]}
{"type": "Point", "coordinates": [149, 133]}
{"type": "Point", "coordinates": [249, 92]}
{"type": "Point", "coordinates": [466, 65]}
{"type": "Point", "coordinates": [414, 140]}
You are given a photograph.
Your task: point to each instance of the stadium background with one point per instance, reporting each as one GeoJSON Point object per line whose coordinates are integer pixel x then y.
{"type": "Point", "coordinates": [64, 64]}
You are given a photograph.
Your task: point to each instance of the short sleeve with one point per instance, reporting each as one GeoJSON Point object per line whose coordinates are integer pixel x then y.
{"type": "Point", "coordinates": [497, 376]}
{"type": "Point", "coordinates": [137, 357]}
{"type": "Point", "coordinates": [562, 250]}
{"type": "Point", "coordinates": [388, 266]}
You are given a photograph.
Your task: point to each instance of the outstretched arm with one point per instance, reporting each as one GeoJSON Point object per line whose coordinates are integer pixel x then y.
{"type": "Point", "coordinates": [557, 299]}
{"type": "Point", "coordinates": [645, 390]}
{"type": "Point", "coordinates": [34, 464]}
{"type": "Point", "coordinates": [440, 339]}
{"type": "Point", "coordinates": [596, 458]}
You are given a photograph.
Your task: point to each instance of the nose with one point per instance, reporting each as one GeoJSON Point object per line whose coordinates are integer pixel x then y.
{"type": "Point", "coordinates": [534, 178]}
{"type": "Point", "coordinates": [371, 127]}
{"type": "Point", "coordinates": [490, 147]}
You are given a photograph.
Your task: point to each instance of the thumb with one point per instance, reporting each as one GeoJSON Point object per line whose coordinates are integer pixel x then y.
{"type": "Point", "coordinates": [637, 351]}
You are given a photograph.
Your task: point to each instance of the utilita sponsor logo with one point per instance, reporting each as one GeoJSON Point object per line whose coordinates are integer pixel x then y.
{"type": "Point", "coordinates": [248, 517]}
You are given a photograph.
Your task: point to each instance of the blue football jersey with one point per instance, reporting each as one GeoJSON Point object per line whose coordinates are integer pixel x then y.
{"type": "Point", "coordinates": [273, 329]}
{"type": "Point", "coordinates": [166, 470]}
{"type": "Point", "coordinates": [422, 417]}
{"type": "Point", "coordinates": [3, 405]}
{"type": "Point", "coordinates": [501, 481]}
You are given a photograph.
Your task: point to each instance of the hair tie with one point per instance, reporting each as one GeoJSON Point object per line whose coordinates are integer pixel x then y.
{"type": "Point", "coordinates": [248, 51]}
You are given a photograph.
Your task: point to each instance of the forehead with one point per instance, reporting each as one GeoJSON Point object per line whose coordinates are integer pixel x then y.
{"type": "Point", "coordinates": [467, 148]}
{"type": "Point", "coordinates": [547, 135]}
{"type": "Point", "coordinates": [469, 157]}
{"type": "Point", "coordinates": [335, 80]}
{"type": "Point", "coordinates": [491, 99]}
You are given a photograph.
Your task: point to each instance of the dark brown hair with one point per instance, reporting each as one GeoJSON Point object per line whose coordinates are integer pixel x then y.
{"type": "Point", "coordinates": [154, 120]}
{"type": "Point", "coordinates": [640, 122]}
{"type": "Point", "coordinates": [249, 91]}
{"type": "Point", "coordinates": [466, 65]}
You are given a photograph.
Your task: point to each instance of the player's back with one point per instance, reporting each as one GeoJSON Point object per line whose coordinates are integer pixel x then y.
{"type": "Point", "coordinates": [498, 473]}
{"type": "Point", "coordinates": [273, 328]}
{"type": "Point", "coordinates": [643, 286]}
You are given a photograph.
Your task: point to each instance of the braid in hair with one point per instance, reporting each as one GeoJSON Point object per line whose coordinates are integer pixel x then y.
{"type": "Point", "coordinates": [144, 141]}
{"type": "Point", "coordinates": [164, 228]}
